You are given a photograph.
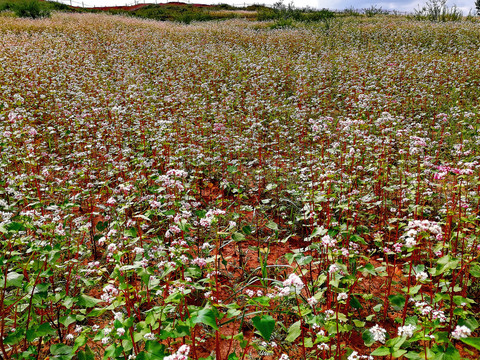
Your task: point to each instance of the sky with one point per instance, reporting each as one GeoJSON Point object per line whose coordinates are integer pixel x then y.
{"type": "Point", "coordinates": [399, 5]}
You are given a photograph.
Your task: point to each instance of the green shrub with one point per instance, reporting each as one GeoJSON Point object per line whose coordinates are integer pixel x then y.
{"type": "Point", "coordinates": [374, 10]}
{"type": "Point", "coordinates": [29, 9]}
{"type": "Point", "coordinates": [437, 10]}
{"type": "Point", "coordinates": [284, 12]}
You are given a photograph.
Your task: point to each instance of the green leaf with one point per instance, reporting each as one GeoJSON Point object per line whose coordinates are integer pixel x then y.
{"type": "Point", "coordinates": [247, 230]}
{"type": "Point", "coordinates": [206, 316]}
{"type": "Point", "coordinates": [473, 342]}
{"type": "Point", "coordinates": [67, 320]}
{"type": "Point", "coordinates": [368, 338]}
{"type": "Point", "coordinates": [397, 301]}
{"type": "Point", "coordinates": [368, 269]}
{"type": "Point", "coordinates": [414, 289]}
{"type": "Point", "coordinates": [14, 227]}
{"type": "Point", "coordinates": [101, 225]}
{"type": "Point", "coordinates": [13, 279]}
{"type": "Point", "coordinates": [86, 355]}
{"type": "Point", "coordinates": [294, 331]}
{"type": "Point", "coordinates": [272, 226]}
{"type": "Point", "coordinates": [381, 351]}
{"type": "Point", "coordinates": [358, 323]}
{"type": "Point", "coordinates": [355, 303]}
{"type": "Point", "coordinates": [475, 270]}
{"type": "Point", "coordinates": [13, 338]}
{"type": "Point", "coordinates": [412, 355]}
{"type": "Point", "coordinates": [471, 323]}
{"type": "Point", "coordinates": [60, 349]}
{"type": "Point", "coordinates": [79, 342]}
{"type": "Point", "coordinates": [155, 350]}
{"type": "Point", "coordinates": [450, 353]}
{"type": "Point", "coordinates": [399, 352]}
{"type": "Point", "coordinates": [236, 236]}
{"type": "Point", "coordinates": [264, 325]}
{"type": "Point", "coordinates": [87, 301]}
{"type": "Point", "coordinates": [132, 232]}
{"type": "Point", "coordinates": [45, 329]}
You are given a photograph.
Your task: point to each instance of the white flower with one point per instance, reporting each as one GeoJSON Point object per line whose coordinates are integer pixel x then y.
{"type": "Point", "coordinates": [378, 333]}
{"type": "Point", "coordinates": [327, 241]}
{"type": "Point", "coordinates": [312, 301]}
{"type": "Point", "coordinates": [105, 340]}
{"type": "Point", "coordinates": [284, 357]}
{"type": "Point", "coordinates": [333, 268]}
{"type": "Point", "coordinates": [120, 331]}
{"type": "Point", "coordinates": [421, 276]}
{"type": "Point", "coordinates": [406, 330]}
{"type": "Point", "coordinates": [138, 250]}
{"type": "Point", "coordinates": [69, 337]}
{"type": "Point", "coordinates": [149, 336]}
{"type": "Point", "coordinates": [323, 346]}
{"type": "Point", "coordinates": [294, 280]}
{"type": "Point", "coordinates": [461, 332]}
{"type": "Point", "coordinates": [342, 296]}
{"type": "Point", "coordinates": [183, 350]}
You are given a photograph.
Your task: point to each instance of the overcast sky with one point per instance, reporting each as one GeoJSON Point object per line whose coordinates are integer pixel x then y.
{"type": "Point", "coordinates": [400, 5]}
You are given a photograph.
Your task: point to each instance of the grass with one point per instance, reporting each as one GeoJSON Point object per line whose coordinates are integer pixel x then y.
{"type": "Point", "coordinates": [222, 190]}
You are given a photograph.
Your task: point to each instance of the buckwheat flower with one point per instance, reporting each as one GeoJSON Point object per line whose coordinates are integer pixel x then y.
{"type": "Point", "coordinates": [294, 280]}
{"type": "Point", "coordinates": [149, 336]}
{"type": "Point", "coordinates": [312, 301]}
{"type": "Point", "coordinates": [342, 296]}
{"type": "Point", "coordinates": [69, 337]}
{"type": "Point", "coordinates": [329, 314]}
{"type": "Point", "coordinates": [183, 350]}
{"type": "Point", "coordinates": [406, 330]}
{"type": "Point", "coordinates": [421, 276]}
{"type": "Point", "coordinates": [284, 291]}
{"type": "Point", "coordinates": [378, 333]}
{"type": "Point", "coordinates": [323, 346]}
{"type": "Point", "coordinates": [107, 331]}
{"type": "Point", "coordinates": [111, 201]}
{"type": "Point", "coordinates": [397, 247]}
{"type": "Point", "coordinates": [201, 262]}
{"type": "Point", "coordinates": [132, 357]}
{"type": "Point", "coordinates": [461, 332]}
{"type": "Point", "coordinates": [78, 328]}
{"type": "Point", "coordinates": [95, 327]}
{"type": "Point", "coordinates": [138, 250]}
{"type": "Point", "coordinates": [284, 357]}
{"type": "Point", "coordinates": [333, 268]}
{"type": "Point", "coordinates": [250, 293]}
{"type": "Point", "coordinates": [105, 340]}
{"type": "Point", "coordinates": [440, 315]}
{"type": "Point", "coordinates": [353, 356]}
{"type": "Point", "coordinates": [327, 241]}
{"type": "Point", "coordinates": [111, 248]}
{"type": "Point", "coordinates": [410, 242]}
{"type": "Point", "coordinates": [118, 315]}
{"type": "Point", "coordinates": [120, 331]}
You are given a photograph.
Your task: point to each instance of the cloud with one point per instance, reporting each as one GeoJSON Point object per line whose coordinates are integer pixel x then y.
{"type": "Point", "coordinates": [404, 6]}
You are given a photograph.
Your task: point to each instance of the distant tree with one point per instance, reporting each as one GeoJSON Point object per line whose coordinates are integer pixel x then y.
{"type": "Point", "coordinates": [477, 6]}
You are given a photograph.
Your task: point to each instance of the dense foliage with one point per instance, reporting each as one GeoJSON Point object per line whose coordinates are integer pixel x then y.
{"type": "Point", "coordinates": [228, 191]}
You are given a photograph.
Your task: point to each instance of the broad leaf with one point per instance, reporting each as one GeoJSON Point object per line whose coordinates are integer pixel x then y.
{"type": "Point", "coordinates": [264, 325]}
{"type": "Point", "coordinates": [206, 316]}
{"type": "Point", "coordinates": [294, 331]}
